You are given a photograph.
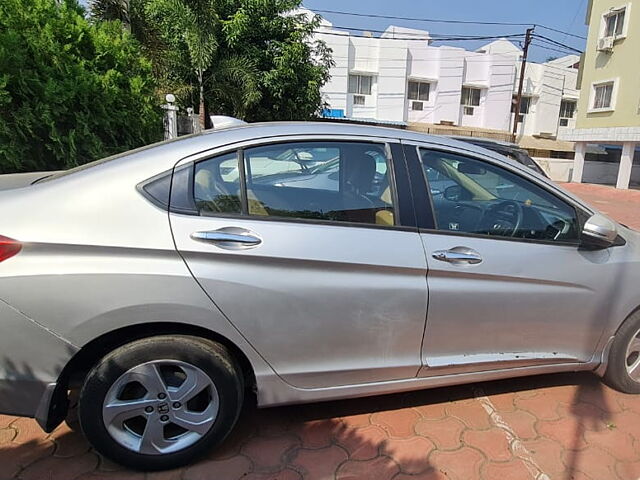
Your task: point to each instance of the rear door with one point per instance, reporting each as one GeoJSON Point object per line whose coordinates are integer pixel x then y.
{"type": "Point", "coordinates": [309, 249]}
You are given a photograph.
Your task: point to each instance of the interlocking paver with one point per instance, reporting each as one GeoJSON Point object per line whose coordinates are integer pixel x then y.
{"type": "Point", "coordinates": [268, 453]}
{"type": "Point", "coordinates": [397, 423]}
{"type": "Point", "coordinates": [445, 432]}
{"type": "Point", "coordinates": [380, 468]}
{"type": "Point", "coordinates": [515, 469]}
{"type": "Point", "coordinates": [361, 443]}
{"type": "Point", "coordinates": [570, 426]}
{"type": "Point", "coordinates": [411, 454]}
{"type": "Point", "coordinates": [493, 443]}
{"type": "Point", "coordinates": [232, 468]}
{"type": "Point", "coordinates": [52, 468]}
{"type": "Point", "coordinates": [460, 464]}
{"type": "Point", "coordinates": [319, 464]}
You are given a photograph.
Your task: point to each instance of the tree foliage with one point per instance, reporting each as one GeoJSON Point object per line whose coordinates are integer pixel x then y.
{"type": "Point", "coordinates": [258, 60]}
{"type": "Point", "coordinates": [70, 91]}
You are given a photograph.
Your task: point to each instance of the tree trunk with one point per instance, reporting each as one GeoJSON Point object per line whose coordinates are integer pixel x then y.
{"type": "Point", "coordinates": [201, 112]}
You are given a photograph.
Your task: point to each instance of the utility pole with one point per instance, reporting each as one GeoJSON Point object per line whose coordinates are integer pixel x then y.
{"type": "Point", "coordinates": [523, 66]}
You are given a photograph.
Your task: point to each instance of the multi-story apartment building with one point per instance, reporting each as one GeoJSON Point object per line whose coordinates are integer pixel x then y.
{"type": "Point", "coordinates": [400, 77]}
{"type": "Point", "coordinates": [609, 105]}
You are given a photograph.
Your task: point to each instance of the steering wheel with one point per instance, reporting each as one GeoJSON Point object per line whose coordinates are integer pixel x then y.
{"type": "Point", "coordinates": [503, 219]}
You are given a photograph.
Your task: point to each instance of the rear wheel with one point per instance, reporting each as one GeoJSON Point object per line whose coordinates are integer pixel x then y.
{"type": "Point", "coordinates": [623, 369]}
{"type": "Point", "coordinates": [161, 402]}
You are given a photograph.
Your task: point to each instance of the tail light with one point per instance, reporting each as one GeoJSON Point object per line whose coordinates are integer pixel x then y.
{"type": "Point", "coordinates": [8, 248]}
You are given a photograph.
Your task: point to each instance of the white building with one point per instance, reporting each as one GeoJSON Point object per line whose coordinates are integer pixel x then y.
{"type": "Point", "coordinates": [549, 97]}
{"type": "Point", "coordinates": [400, 77]}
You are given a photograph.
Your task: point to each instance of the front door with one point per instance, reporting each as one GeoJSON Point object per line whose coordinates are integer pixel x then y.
{"type": "Point", "coordinates": [302, 245]}
{"type": "Point", "coordinates": [508, 284]}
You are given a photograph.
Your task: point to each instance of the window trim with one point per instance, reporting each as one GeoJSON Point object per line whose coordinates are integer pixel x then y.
{"type": "Point", "coordinates": [471, 88]}
{"type": "Point", "coordinates": [359, 83]}
{"type": "Point", "coordinates": [575, 108]}
{"type": "Point", "coordinates": [403, 209]}
{"type": "Point", "coordinates": [419, 82]}
{"type": "Point", "coordinates": [626, 8]}
{"type": "Point", "coordinates": [614, 94]}
{"type": "Point", "coordinates": [582, 213]}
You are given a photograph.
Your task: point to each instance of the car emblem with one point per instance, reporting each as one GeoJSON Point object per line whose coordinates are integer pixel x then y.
{"type": "Point", "coordinates": [454, 226]}
{"type": "Point", "coordinates": [163, 408]}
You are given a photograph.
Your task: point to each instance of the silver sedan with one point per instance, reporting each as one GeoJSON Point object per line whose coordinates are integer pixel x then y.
{"type": "Point", "coordinates": [304, 262]}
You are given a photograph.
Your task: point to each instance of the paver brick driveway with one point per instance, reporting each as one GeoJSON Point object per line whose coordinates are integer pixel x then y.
{"type": "Point", "coordinates": [555, 426]}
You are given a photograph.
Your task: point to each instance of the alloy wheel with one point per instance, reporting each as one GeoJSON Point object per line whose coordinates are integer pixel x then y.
{"type": "Point", "coordinates": [632, 357]}
{"type": "Point", "coordinates": [160, 407]}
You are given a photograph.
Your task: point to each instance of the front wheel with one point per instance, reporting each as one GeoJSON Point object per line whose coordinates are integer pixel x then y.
{"type": "Point", "coordinates": [161, 402]}
{"type": "Point", "coordinates": [623, 368]}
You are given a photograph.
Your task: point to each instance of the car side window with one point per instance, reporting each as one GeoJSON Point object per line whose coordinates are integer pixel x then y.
{"type": "Point", "coordinates": [331, 181]}
{"type": "Point", "coordinates": [216, 185]}
{"type": "Point", "coordinates": [476, 197]}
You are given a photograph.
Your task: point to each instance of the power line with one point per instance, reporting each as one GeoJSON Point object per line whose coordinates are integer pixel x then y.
{"type": "Point", "coordinates": [556, 43]}
{"type": "Point", "coordinates": [560, 31]}
{"type": "Point", "coordinates": [538, 45]}
{"type": "Point", "coordinates": [427, 20]}
{"type": "Point", "coordinates": [429, 38]}
{"type": "Point", "coordinates": [440, 20]}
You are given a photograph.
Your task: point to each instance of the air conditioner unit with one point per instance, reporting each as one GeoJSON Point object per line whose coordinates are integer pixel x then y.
{"type": "Point", "coordinates": [468, 110]}
{"type": "Point", "coordinates": [416, 105]}
{"type": "Point", "coordinates": [358, 99]}
{"type": "Point", "coordinates": [605, 44]}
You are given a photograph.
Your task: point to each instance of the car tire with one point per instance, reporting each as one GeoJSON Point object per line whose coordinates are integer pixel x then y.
{"type": "Point", "coordinates": [624, 353]}
{"type": "Point", "coordinates": [141, 406]}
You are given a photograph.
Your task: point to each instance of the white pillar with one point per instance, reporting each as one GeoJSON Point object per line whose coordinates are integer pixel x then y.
{"type": "Point", "coordinates": [578, 162]}
{"type": "Point", "coordinates": [626, 162]}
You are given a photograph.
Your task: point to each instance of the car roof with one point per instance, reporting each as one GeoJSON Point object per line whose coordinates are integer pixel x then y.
{"type": "Point", "coordinates": [486, 141]}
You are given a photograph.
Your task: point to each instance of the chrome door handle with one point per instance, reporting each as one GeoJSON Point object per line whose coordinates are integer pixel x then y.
{"type": "Point", "coordinates": [458, 256]}
{"type": "Point", "coordinates": [231, 238]}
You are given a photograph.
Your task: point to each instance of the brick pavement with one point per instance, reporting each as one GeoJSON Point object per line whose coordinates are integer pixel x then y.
{"type": "Point", "coordinates": [565, 426]}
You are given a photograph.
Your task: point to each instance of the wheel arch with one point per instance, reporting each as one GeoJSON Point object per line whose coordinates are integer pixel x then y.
{"type": "Point", "coordinates": [90, 353]}
{"type": "Point", "coordinates": [76, 369]}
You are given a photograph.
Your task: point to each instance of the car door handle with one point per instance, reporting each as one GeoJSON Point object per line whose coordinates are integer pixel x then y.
{"type": "Point", "coordinates": [458, 256]}
{"type": "Point", "coordinates": [231, 238]}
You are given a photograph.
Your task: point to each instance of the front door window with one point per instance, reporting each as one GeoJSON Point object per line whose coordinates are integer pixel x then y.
{"type": "Point", "coordinates": [474, 197]}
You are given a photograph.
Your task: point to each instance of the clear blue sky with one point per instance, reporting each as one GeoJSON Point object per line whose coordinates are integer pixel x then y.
{"type": "Point", "coordinates": [565, 15]}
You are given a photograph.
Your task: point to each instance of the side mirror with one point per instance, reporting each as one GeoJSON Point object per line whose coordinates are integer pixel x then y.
{"type": "Point", "coordinates": [598, 232]}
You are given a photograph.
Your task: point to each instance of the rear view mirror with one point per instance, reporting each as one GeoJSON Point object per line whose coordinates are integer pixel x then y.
{"type": "Point", "coordinates": [471, 169]}
{"type": "Point", "coordinates": [453, 193]}
{"type": "Point", "coordinates": [598, 232]}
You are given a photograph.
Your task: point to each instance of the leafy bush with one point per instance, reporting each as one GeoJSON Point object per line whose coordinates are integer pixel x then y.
{"type": "Point", "coordinates": [70, 91]}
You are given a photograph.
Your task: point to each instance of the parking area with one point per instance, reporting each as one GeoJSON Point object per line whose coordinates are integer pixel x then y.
{"type": "Point", "coordinates": [566, 426]}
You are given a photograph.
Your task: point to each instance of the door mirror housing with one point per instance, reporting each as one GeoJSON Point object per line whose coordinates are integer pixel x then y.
{"type": "Point", "coordinates": [598, 232]}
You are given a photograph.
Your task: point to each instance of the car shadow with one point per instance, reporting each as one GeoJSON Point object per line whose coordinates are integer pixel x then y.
{"type": "Point", "coordinates": [302, 441]}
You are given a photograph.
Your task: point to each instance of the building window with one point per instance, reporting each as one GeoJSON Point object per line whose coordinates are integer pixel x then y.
{"type": "Point", "coordinates": [470, 97]}
{"type": "Point", "coordinates": [418, 91]}
{"type": "Point", "coordinates": [525, 105]}
{"type": "Point", "coordinates": [567, 108]}
{"type": "Point", "coordinates": [603, 94]}
{"type": "Point", "coordinates": [360, 84]}
{"type": "Point", "coordinates": [614, 22]}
